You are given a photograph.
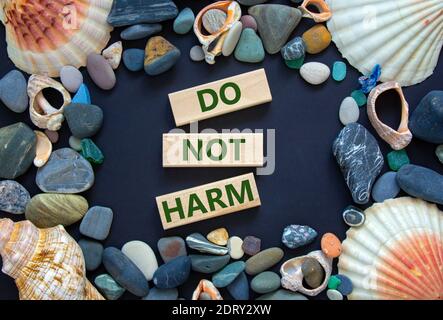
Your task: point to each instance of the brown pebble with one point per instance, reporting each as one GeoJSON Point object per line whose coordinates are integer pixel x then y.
{"type": "Point", "coordinates": [313, 272]}
{"type": "Point", "coordinates": [330, 245]}
{"type": "Point", "coordinates": [317, 39]}
{"type": "Point", "coordinates": [52, 135]}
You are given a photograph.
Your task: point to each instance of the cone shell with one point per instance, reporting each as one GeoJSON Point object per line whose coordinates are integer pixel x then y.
{"type": "Point", "coordinates": [398, 252]}
{"type": "Point", "coordinates": [206, 286]}
{"type": "Point", "coordinates": [43, 36]}
{"type": "Point", "coordinates": [43, 115]}
{"type": "Point", "coordinates": [405, 37]}
{"type": "Point", "coordinates": [46, 264]}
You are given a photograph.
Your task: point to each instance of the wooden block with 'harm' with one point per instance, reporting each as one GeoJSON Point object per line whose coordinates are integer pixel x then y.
{"type": "Point", "coordinates": [213, 150]}
{"type": "Point", "coordinates": [220, 97]}
{"type": "Point", "coordinates": [208, 201]}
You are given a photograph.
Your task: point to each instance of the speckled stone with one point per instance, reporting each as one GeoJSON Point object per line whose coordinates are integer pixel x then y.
{"type": "Point", "coordinates": [386, 187]}
{"type": "Point", "coordinates": [84, 120]}
{"type": "Point", "coordinates": [162, 294]}
{"type": "Point", "coordinates": [228, 274]}
{"type": "Point", "coordinates": [397, 159]}
{"type": "Point", "coordinates": [92, 252]}
{"type": "Point", "coordinates": [353, 216]}
{"type": "Point", "coordinates": [100, 71]}
{"type": "Point", "coordinates": [13, 91]}
{"type": "Point", "coordinates": [140, 31]}
{"type": "Point", "coordinates": [13, 197]}
{"type": "Point", "coordinates": [133, 59]}
{"type": "Point", "coordinates": [173, 274]}
{"type": "Point", "coordinates": [160, 56]}
{"type": "Point", "coordinates": [251, 245]}
{"type": "Point", "coordinates": [97, 223]}
{"type": "Point", "coordinates": [171, 248]}
{"type": "Point", "coordinates": [196, 53]}
{"type": "Point", "coordinates": [65, 172]}
{"type": "Point", "coordinates": [263, 260]}
{"type": "Point", "coordinates": [282, 294]}
{"type": "Point", "coordinates": [208, 263]}
{"type": "Point", "coordinates": [71, 78]}
{"type": "Point", "coordinates": [184, 21]}
{"type": "Point", "coordinates": [295, 236]}
{"type": "Point", "coordinates": [109, 287]}
{"type": "Point", "coordinates": [265, 282]}
{"type": "Point", "coordinates": [294, 49]}
{"type": "Point", "coordinates": [239, 288]}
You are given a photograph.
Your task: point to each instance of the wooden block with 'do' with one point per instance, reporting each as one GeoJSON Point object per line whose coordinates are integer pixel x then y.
{"type": "Point", "coordinates": [220, 97]}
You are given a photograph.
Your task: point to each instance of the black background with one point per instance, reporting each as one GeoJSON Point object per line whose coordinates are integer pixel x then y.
{"type": "Point", "coordinates": [306, 187]}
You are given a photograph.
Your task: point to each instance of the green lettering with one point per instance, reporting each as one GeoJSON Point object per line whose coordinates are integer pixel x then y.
{"type": "Point", "coordinates": [245, 189]}
{"type": "Point", "coordinates": [195, 204]}
{"type": "Point", "coordinates": [212, 199]}
{"type": "Point", "coordinates": [236, 91]}
{"type": "Point", "coordinates": [178, 209]}
{"type": "Point", "coordinates": [202, 102]}
{"type": "Point", "coordinates": [237, 143]}
{"type": "Point", "coordinates": [187, 145]}
{"type": "Point", "coordinates": [222, 153]}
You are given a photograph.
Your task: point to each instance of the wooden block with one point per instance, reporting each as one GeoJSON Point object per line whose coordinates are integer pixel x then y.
{"type": "Point", "coordinates": [208, 201]}
{"type": "Point", "coordinates": [213, 150]}
{"type": "Point", "coordinates": [220, 97]}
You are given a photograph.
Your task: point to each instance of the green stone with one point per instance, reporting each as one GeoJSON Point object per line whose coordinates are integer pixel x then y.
{"type": "Point", "coordinates": [109, 287]}
{"type": "Point", "coordinates": [250, 47]}
{"type": "Point", "coordinates": [397, 159]}
{"type": "Point", "coordinates": [359, 97]}
{"type": "Point", "coordinates": [333, 282]}
{"type": "Point", "coordinates": [91, 152]}
{"type": "Point", "coordinates": [339, 71]}
{"type": "Point", "coordinates": [439, 153]}
{"type": "Point", "coordinates": [295, 64]}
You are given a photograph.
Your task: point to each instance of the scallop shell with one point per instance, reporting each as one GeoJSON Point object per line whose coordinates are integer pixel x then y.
{"type": "Point", "coordinates": [398, 252]}
{"type": "Point", "coordinates": [404, 37]}
{"type": "Point", "coordinates": [43, 36]}
{"type": "Point", "coordinates": [323, 14]}
{"type": "Point", "coordinates": [43, 115]}
{"type": "Point", "coordinates": [212, 44]}
{"type": "Point", "coordinates": [397, 139]}
{"type": "Point", "coordinates": [206, 286]}
{"type": "Point", "coordinates": [46, 264]}
{"type": "Point", "coordinates": [292, 277]}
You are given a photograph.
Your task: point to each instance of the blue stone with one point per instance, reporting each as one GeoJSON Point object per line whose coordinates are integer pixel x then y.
{"type": "Point", "coordinates": [228, 274]}
{"type": "Point", "coordinates": [13, 91]}
{"type": "Point", "coordinates": [172, 274]}
{"type": "Point", "coordinates": [339, 71]}
{"type": "Point", "coordinates": [133, 59]}
{"type": "Point", "coordinates": [111, 289]}
{"type": "Point", "coordinates": [92, 252]}
{"type": "Point", "coordinates": [386, 187]}
{"type": "Point", "coordinates": [140, 31]}
{"type": "Point", "coordinates": [426, 122]}
{"type": "Point", "coordinates": [162, 294]}
{"type": "Point", "coordinates": [250, 47]}
{"type": "Point", "coordinates": [97, 222]}
{"type": "Point", "coordinates": [295, 236]}
{"type": "Point", "coordinates": [370, 82]}
{"type": "Point", "coordinates": [125, 272]}
{"type": "Point", "coordinates": [82, 95]}
{"type": "Point", "coordinates": [345, 287]}
{"type": "Point", "coordinates": [421, 182]}
{"type": "Point", "coordinates": [208, 263]}
{"type": "Point", "coordinates": [294, 49]}
{"type": "Point", "coordinates": [184, 21]}
{"type": "Point", "coordinates": [84, 120]}
{"type": "Point", "coordinates": [239, 288]}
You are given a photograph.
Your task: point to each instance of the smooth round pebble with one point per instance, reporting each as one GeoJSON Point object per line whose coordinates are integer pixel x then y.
{"type": "Point", "coordinates": [184, 21]}
{"type": "Point", "coordinates": [53, 136]}
{"type": "Point", "coordinates": [263, 260]}
{"type": "Point", "coordinates": [196, 54]}
{"type": "Point", "coordinates": [265, 282]}
{"type": "Point", "coordinates": [248, 22]}
{"type": "Point", "coordinates": [313, 272]}
{"type": "Point", "coordinates": [228, 274]}
{"type": "Point", "coordinates": [100, 71]}
{"type": "Point", "coordinates": [334, 295]}
{"type": "Point", "coordinates": [331, 245]}
{"type": "Point", "coordinates": [140, 31]}
{"type": "Point", "coordinates": [339, 71]}
{"type": "Point", "coordinates": [171, 248]}
{"type": "Point", "coordinates": [317, 39]}
{"type": "Point", "coordinates": [359, 97]}
{"type": "Point", "coordinates": [235, 247]}
{"type": "Point", "coordinates": [13, 91]}
{"type": "Point", "coordinates": [345, 287]}
{"type": "Point", "coordinates": [71, 78]}
{"type": "Point", "coordinates": [386, 187]}
{"type": "Point", "coordinates": [75, 143]}
{"type": "Point", "coordinates": [84, 120]}
{"type": "Point", "coordinates": [250, 47]}
{"type": "Point", "coordinates": [349, 111]}
{"type": "Point", "coordinates": [315, 72]}
{"type": "Point", "coordinates": [133, 59]}
{"type": "Point", "coordinates": [232, 39]}
{"type": "Point", "coordinates": [142, 256]}
{"type": "Point", "coordinates": [353, 216]}
{"type": "Point", "coordinates": [172, 274]}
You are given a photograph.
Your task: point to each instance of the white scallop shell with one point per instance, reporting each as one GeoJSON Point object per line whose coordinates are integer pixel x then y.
{"type": "Point", "coordinates": [398, 252]}
{"type": "Point", "coordinates": [405, 37]}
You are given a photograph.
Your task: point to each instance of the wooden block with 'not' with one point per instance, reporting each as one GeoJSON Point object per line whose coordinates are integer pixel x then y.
{"type": "Point", "coordinates": [220, 97]}
{"type": "Point", "coordinates": [208, 201]}
{"type": "Point", "coordinates": [213, 150]}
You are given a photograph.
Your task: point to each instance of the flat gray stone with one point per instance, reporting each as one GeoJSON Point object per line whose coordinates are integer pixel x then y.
{"type": "Point", "coordinates": [97, 222]}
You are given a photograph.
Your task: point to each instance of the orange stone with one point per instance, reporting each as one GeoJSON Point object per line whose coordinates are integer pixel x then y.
{"type": "Point", "coordinates": [317, 39]}
{"type": "Point", "coordinates": [331, 245]}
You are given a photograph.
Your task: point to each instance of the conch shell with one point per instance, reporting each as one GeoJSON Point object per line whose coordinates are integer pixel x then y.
{"type": "Point", "coordinates": [397, 139]}
{"type": "Point", "coordinates": [206, 286]}
{"type": "Point", "coordinates": [292, 276]}
{"type": "Point", "coordinates": [323, 14]}
{"type": "Point", "coordinates": [43, 115]}
{"type": "Point", "coordinates": [46, 264]}
{"type": "Point", "coordinates": [212, 44]}
{"type": "Point", "coordinates": [43, 36]}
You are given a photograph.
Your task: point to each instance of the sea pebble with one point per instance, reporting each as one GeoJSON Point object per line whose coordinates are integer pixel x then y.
{"type": "Point", "coordinates": [282, 294]}
{"type": "Point", "coordinates": [52, 135]}
{"type": "Point", "coordinates": [315, 72]}
{"type": "Point", "coordinates": [48, 210]}
{"type": "Point", "coordinates": [75, 143]}
{"type": "Point", "coordinates": [227, 275]}
{"type": "Point", "coordinates": [13, 91]}
{"type": "Point", "coordinates": [71, 78]}
{"type": "Point", "coordinates": [313, 272]}
{"type": "Point", "coordinates": [91, 152]}
{"type": "Point", "coordinates": [421, 182]}
{"type": "Point", "coordinates": [232, 39]}
{"type": "Point", "coordinates": [275, 24]}
{"type": "Point", "coordinates": [142, 256]}
{"type": "Point", "coordinates": [265, 282]}
{"type": "Point", "coordinates": [97, 223]}
{"type": "Point", "coordinates": [331, 245]}
{"type": "Point", "coordinates": [184, 21]}
{"type": "Point", "coordinates": [13, 197]}
{"type": "Point", "coordinates": [65, 172]}
{"type": "Point", "coordinates": [100, 71]}
{"type": "Point", "coordinates": [162, 294]}
{"type": "Point", "coordinates": [125, 272]}
{"type": "Point", "coordinates": [317, 39]}
{"type": "Point", "coordinates": [349, 111]}
{"type": "Point", "coordinates": [239, 288]}
{"type": "Point", "coordinates": [353, 216]}
{"type": "Point", "coordinates": [133, 59]}
{"type": "Point", "coordinates": [251, 2]}
{"type": "Point", "coordinates": [140, 31]}
{"type": "Point", "coordinates": [295, 64]}
{"type": "Point", "coordinates": [208, 263]}
{"type": "Point", "coordinates": [84, 120]}
{"type": "Point", "coordinates": [17, 150]}
{"type": "Point", "coordinates": [345, 287]}
{"type": "Point", "coordinates": [426, 122]}
{"type": "Point", "coordinates": [218, 236]}
{"type": "Point", "coordinates": [263, 260]}
{"type": "Point", "coordinates": [333, 282]}
{"type": "Point", "coordinates": [235, 247]}
{"type": "Point", "coordinates": [295, 236]}
{"type": "Point", "coordinates": [109, 287]}
{"type": "Point", "coordinates": [359, 158]}
{"type": "Point", "coordinates": [82, 95]}
{"type": "Point", "coordinates": [248, 22]}
{"type": "Point", "coordinates": [251, 245]}
{"type": "Point", "coordinates": [359, 97]}
{"type": "Point", "coordinates": [213, 20]}
{"type": "Point", "coordinates": [92, 252]}
{"type": "Point", "coordinates": [196, 54]}
{"type": "Point", "coordinates": [439, 153]}
{"type": "Point", "coordinates": [160, 56]}
{"type": "Point", "coordinates": [171, 248]}
{"type": "Point", "coordinates": [198, 242]}
{"type": "Point", "coordinates": [339, 71]}
{"type": "Point", "coordinates": [173, 273]}
{"type": "Point", "coordinates": [294, 49]}
{"type": "Point", "coordinates": [113, 54]}
{"type": "Point", "coordinates": [397, 159]}
{"type": "Point", "coordinates": [386, 187]}
{"type": "Point", "coordinates": [334, 294]}
{"type": "Point", "coordinates": [249, 48]}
